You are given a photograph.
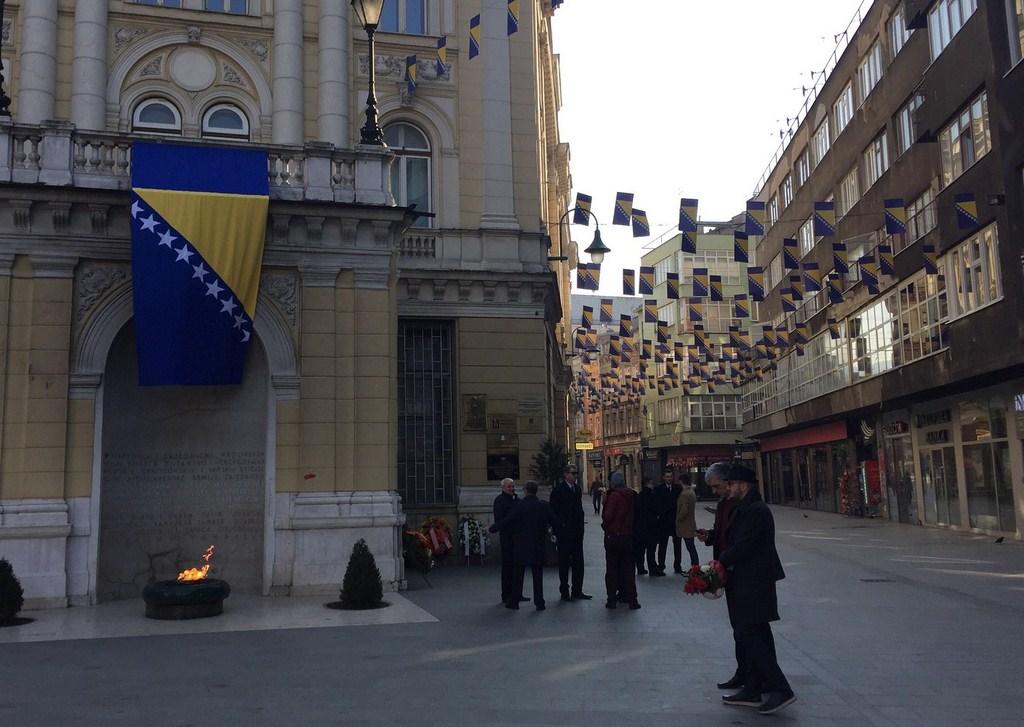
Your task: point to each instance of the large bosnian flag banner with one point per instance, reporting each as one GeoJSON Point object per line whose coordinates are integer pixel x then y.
{"type": "Point", "coordinates": [198, 220]}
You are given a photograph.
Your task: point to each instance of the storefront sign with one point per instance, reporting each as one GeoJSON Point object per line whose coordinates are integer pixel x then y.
{"type": "Point", "coordinates": [934, 419]}
{"type": "Point", "coordinates": [894, 429]}
{"type": "Point", "coordinates": [939, 436]}
{"type": "Point", "coordinates": [596, 459]}
{"type": "Point", "coordinates": [584, 446]}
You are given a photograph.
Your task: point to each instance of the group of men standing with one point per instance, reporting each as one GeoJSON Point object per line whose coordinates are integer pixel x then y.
{"type": "Point", "coordinates": [663, 513]}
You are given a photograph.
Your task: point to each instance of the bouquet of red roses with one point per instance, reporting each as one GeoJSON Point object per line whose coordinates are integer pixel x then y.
{"type": "Point", "coordinates": [707, 579]}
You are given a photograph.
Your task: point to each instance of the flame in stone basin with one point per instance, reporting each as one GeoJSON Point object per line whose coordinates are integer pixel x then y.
{"type": "Point", "coordinates": [197, 574]}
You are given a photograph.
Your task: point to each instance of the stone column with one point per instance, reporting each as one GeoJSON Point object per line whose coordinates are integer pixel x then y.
{"type": "Point", "coordinates": [333, 86]}
{"type": "Point", "coordinates": [89, 69]}
{"type": "Point", "coordinates": [499, 200]}
{"type": "Point", "coordinates": [288, 113]}
{"type": "Point", "coordinates": [38, 65]}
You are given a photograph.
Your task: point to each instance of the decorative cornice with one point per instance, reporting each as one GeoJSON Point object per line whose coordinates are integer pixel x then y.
{"type": "Point", "coordinates": [53, 265]}
{"type": "Point", "coordinates": [372, 278]}
{"type": "Point", "coordinates": [319, 276]}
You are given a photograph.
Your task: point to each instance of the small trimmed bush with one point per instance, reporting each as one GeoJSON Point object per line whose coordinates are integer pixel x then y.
{"type": "Point", "coordinates": [361, 587]}
{"type": "Point", "coordinates": [12, 597]}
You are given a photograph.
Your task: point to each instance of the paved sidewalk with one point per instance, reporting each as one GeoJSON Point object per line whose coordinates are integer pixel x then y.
{"type": "Point", "coordinates": [882, 625]}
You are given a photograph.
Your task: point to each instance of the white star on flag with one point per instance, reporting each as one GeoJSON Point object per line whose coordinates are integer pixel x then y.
{"type": "Point", "coordinates": [166, 238]}
{"type": "Point", "coordinates": [149, 223]}
{"type": "Point", "coordinates": [184, 253]}
{"type": "Point", "coordinates": [200, 272]}
{"type": "Point", "coordinates": [245, 335]}
{"type": "Point", "coordinates": [136, 208]}
{"type": "Point", "coordinates": [239, 320]}
{"type": "Point", "coordinates": [229, 306]}
{"type": "Point", "coordinates": [214, 289]}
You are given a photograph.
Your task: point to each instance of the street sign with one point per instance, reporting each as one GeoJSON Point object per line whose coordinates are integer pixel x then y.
{"type": "Point", "coordinates": [584, 446]}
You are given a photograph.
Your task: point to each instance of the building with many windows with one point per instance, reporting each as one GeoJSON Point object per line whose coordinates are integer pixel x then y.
{"type": "Point", "coordinates": [911, 404]}
{"type": "Point", "coordinates": [409, 348]}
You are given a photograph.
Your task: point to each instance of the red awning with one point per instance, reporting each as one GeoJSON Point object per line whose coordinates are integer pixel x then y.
{"type": "Point", "coordinates": [831, 432]}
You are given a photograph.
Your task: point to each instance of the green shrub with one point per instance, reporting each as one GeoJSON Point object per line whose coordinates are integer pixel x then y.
{"type": "Point", "coordinates": [12, 598]}
{"type": "Point", "coordinates": [361, 587]}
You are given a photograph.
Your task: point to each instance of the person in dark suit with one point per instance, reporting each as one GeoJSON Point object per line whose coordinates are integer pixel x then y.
{"type": "Point", "coordinates": [644, 542]}
{"type": "Point", "coordinates": [753, 565]}
{"type": "Point", "coordinates": [717, 477]}
{"type": "Point", "coordinates": [664, 517]}
{"type": "Point", "coordinates": [567, 504]}
{"type": "Point", "coordinates": [503, 505]}
{"type": "Point", "coordinates": [528, 521]}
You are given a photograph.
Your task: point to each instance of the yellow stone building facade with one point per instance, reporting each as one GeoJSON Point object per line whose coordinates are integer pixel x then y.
{"type": "Point", "coordinates": [402, 363]}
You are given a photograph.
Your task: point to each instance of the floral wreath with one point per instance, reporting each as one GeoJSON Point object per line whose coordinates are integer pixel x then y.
{"type": "Point", "coordinates": [439, 534]}
{"type": "Point", "coordinates": [477, 535]}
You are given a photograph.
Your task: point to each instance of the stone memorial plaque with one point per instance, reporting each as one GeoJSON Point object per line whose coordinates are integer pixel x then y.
{"type": "Point", "coordinates": [183, 468]}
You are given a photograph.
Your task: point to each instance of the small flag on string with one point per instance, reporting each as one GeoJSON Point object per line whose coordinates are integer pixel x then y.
{"type": "Point", "coordinates": [613, 346]}
{"type": "Point", "coordinates": [701, 283]}
{"type": "Point", "coordinates": [833, 329]}
{"type": "Point", "coordinates": [582, 276]}
{"type": "Point", "coordinates": [581, 212]}
{"type": "Point", "coordinates": [700, 337]}
{"type": "Point", "coordinates": [474, 37]}
{"type": "Point", "coordinates": [410, 74]}
{"type": "Point", "coordinates": [790, 254]}
{"type": "Point", "coordinates": [628, 281]}
{"type": "Point", "coordinates": [688, 242]}
{"type": "Point", "coordinates": [788, 306]}
{"type": "Point", "coordinates": [824, 219]}
{"type": "Point", "coordinates": [442, 56]}
{"type": "Point", "coordinates": [591, 338]}
{"type": "Point", "coordinates": [716, 288]}
{"type": "Point", "coordinates": [931, 260]}
{"type": "Point", "coordinates": [662, 332]}
{"type": "Point", "coordinates": [755, 283]}
{"type": "Point", "coordinates": [640, 226]}
{"type": "Point", "coordinates": [606, 310]}
{"type": "Point", "coordinates": [595, 275]}
{"type": "Point", "coordinates": [741, 249]}
{"type": "Point", "coordinates": [687, 215]}
{"type": "Point", "coordinates": [513, 16]}
{"type": "Point", "coordinates": [966, 211]}
{"type": "Point", "coordinates": [625, 329]}
{"type": "Point", "coordinates": [647, 346]}
{"type": "Point", "coordinates": [886, 261]}
{"type": "Point", "coordinates": [801, 333]}
{"type": "Point", "coordinates": [895, 217]}
{"type": "Point", "coordinates": [680, 350]}
{"type": "Point", "coordinates": [734, 337]}
{"type": "Point", "coordinates": [770, 338]}
{"type": "Point", "coordinates": [587, 319]}
{"type": "Point", "coordinates": [835, 290]}
{"type": "Point", "coordinates": [646, 281]}
{"type": "Point", "coordinates": [672, 286]}
{"type": "Point", "coordinates": [623, 209]}
{"type": "Point", "coordinates": [755, 217]}
{"type": "Point", "coordinates": [741, 306]}
{"type": "Point", "coordinates": [839, 259]}
{"type": "Point", "coordinates": [812, 277]}
{"type": "Point", "coordinates": [797, 284]}
{"type": "Point", "coordinates": [869, 273]}
{"type": "Point", "coordinates": [695, 306]}
{"type": "Point", "coordinates": [650, 310]}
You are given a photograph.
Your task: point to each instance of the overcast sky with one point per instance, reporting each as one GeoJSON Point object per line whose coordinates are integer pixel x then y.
{"type": "Point", "coordinates": [681, 98]}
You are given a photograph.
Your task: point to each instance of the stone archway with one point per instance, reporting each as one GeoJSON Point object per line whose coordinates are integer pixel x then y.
{"type": "Point", "coordinates": [181, 467]}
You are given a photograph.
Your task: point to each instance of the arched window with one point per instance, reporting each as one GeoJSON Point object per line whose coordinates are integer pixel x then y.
{"type": "Point", "coordinates": [225, 120]}
{"type": "Point", "coordinates": [410, 174]}
{"type": "Point", "coordinates": [404, 16]}
{"type": "Point", "coordinates": [157, 115]}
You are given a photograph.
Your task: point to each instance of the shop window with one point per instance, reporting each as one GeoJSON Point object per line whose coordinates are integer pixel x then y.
{"type": "Point", "coordinates": [986, 449]}
{"type": "Point", "coordinates": [410, 172]}
{"type": "Point", "coordinates": [966, 140]}
{"type": "Point", "coordinates": [404, 16]}
{"type": "Point", "coordinates": [157, 115]}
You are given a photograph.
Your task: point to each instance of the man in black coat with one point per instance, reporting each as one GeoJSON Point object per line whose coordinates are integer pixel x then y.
{"type": "Point", "coordinates": [503, 505]}
{"type": "Point", "coordinates": [528, 522]}
{"type": "Point", "coordinates": [567, 504]}
{"type": "Point", "coordinates": [644, 541]}
{"type": "Point", "coordinates": [665, 517]}
{"type": "Point", "coordinates": [754, 567]}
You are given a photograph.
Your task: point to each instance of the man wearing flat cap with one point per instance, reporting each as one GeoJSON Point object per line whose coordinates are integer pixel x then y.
{"type": "Point", "coordinates": [754, 567]}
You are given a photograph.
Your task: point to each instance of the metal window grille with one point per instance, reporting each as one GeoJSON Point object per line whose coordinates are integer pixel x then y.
{"type": "Point", "coordinates": [426, 413]}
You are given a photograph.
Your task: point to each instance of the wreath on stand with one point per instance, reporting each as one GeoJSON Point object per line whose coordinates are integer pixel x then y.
{"type": "Point", "coordinates": [439, 535]}
{"type": "Point", "coordinates": [472, 537]}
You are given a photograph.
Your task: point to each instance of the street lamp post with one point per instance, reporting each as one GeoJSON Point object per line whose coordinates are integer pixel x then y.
{"type": "Point", "coordinates": [368, 13]}
{"type": "Point", "coordinates": [5, 100]}
{"type": "Point", "coordinates": [597, 249]}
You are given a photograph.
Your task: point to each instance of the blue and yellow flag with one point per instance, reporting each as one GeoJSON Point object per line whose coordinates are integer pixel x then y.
{"type": "Point", "coordinates": [613, 346]}
{"type": "Point", "coordinates": [700, 337]}
{"type": "Point", "coordinates": [680, 350]}
{"type": "Point", "coordinates": [755, 217]}
{"type": "Point", "coordinates": [835, 289]}
{"type": "Point", "coordinates": [931, 260]}
{"type": "Point", "coordinates": [770, 338]}
{"type": "Point", "coordinates": [839, 259]}
{"type": "Point", "coordinates": [628, 281]}
{"type": "Point", "coordinates": [591, 339]}
{"type": "Point", "coordinates": [734, 337]}
{"type": "Point", "coordinates": [595, 275]}
{"type": "Point", "coordinates": [583, 276]}
{"type": "Point", "coordinates": [410, 74]}
{"type": "Point", "coordinates": [198, 221]}
{"type": "Point", "coordinates": [824, 219]}
{"type": "Point", "coordinates": [715, 288]}
{"type": "Point", "coordinates": [755, 283]}
{"type": "Point", "coordinates": [687, 215]}
{"type": "Point", "coordinates": [441, 63]}
{"type": "Point", "coordinates": [646, 280]}
{"type": "Point", "coordinates": [650, 310]}
{"type": "Point", "coordinates": [701, 283]}
{"type": "Point", "coordinates": [812, 277]}
{"type": "Point", "coordinates": [587, 317]}
{"type": "Point", "coordinates": [788, 304]}
{"type": "Point", "coordinates": [672, 285]}
{"type": "Point", "coordinates": [663, 332]}
{"type": "Point", "coordinates": [513, 16]}
{"type": "Point", "coordinates": [741, 306]}
{"type": "Point", "coordinates": [797, 285]}
{"type": "Point", "coordinates": [625, 329]}
{"type": "Point", "coordinates": [646, 349]}
{"type": "Point", "coordinates": [869, 273]}
{"type": "Point", "coordinates": [474, 37]}
{"type": "Point", "coordinates": [581, 212]}
{"type": "Point", "coordinates": [623, 209]}
{"type": "Point", "coordinates": [833, 329]}
{"type": "Point", "coordinates": [886, 260]}
{"type": "Point", "coordinates": [895, 217]}
{"type": "Point", "coordinates": [695, 307]}
{"type": "Point", "coordinates": [966, 211]}
{"type": "Point", "coordinates": [741, 247]}
{"type": "Point", "coordinates": [606, 310]}
{"type": "Point", "coordinates": [790, 254]}
{"type": "Point", "coordinates": [688, 242]}
{"type": "Point", "coordinates": [640, 226]}
{"type": "Point", "coordinates": [801, 332]}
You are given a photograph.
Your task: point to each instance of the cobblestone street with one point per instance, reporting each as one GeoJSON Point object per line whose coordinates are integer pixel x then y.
{"type": "Point", "coordinates": [882, 625]}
